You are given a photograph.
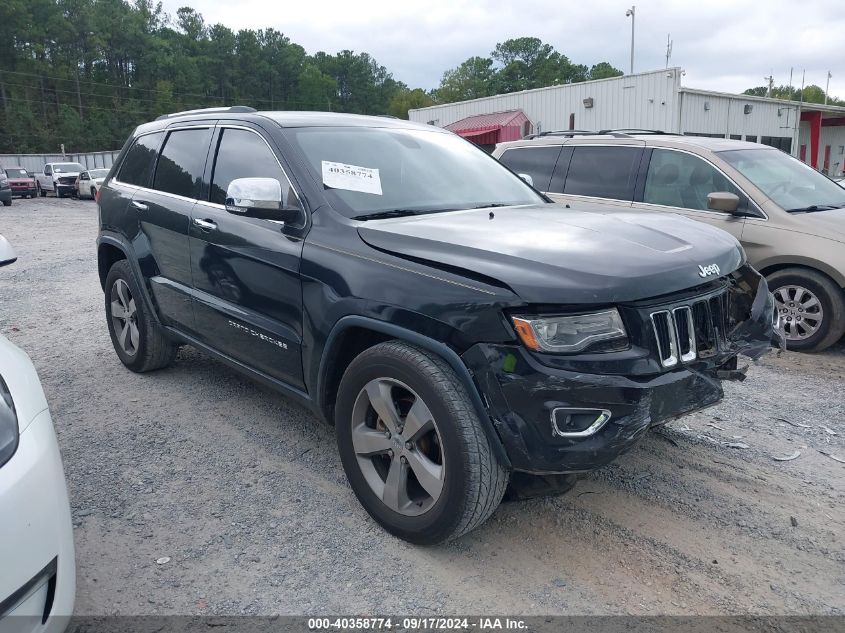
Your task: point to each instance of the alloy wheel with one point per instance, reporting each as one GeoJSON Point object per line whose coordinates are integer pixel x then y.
{"type": "Point", "coordinates": [124, 315]}
{"type": "Point", "coordinates": [398, 447]}
{"type": "Point", "coordinates": [801, 312]}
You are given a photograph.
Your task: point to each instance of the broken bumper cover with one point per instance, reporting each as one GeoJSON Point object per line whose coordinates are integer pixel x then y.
{"type": "Point", "coordinates": [528, 399]}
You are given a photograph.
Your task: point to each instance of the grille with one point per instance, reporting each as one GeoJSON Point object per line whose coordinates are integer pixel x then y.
{"type": "Point", "coordinates": [687, 332]}
{"type": "Point", "coordinates": [67, 180]}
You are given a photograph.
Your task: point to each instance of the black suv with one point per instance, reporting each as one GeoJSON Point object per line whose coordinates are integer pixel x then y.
{"type": "Point", "coordinates": [461, 332]}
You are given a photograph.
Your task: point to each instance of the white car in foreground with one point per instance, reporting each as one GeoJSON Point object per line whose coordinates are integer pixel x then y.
{"type": "Point", "coordinates": [37, 566]}
{"type": "Point", "coordinates": [89, 181]}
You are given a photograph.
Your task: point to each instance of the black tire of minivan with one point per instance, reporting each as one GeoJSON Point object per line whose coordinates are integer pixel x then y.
{"type": "Point", "coordinates": [473, 479]}
{"type": "Point", "coordinates": [154, 350]}
{"type": "Point", "coordinates": [831, 298]}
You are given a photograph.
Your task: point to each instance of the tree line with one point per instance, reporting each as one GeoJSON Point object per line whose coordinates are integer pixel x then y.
{"type": "Point", "coordinates": [810, 94]}
{"type": "Point", "coordinates": [83, 73]}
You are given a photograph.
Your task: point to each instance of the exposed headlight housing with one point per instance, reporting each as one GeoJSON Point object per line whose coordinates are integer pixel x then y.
{"type": "Point", "coordinates": [570, 333]}
{"type": "Point", "coordinates": [9, 433]}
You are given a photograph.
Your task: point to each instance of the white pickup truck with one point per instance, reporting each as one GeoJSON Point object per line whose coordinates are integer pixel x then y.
{"type": "Point", "coordinates": [60, 178]}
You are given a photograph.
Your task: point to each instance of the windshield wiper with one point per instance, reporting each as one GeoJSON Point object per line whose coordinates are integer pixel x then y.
{"type": "Point", "coordinates": [394, 213]}
{"type": "Point", "coordinates": [815, 207]}
{"type": "Point", "coordinates": [491, 205]}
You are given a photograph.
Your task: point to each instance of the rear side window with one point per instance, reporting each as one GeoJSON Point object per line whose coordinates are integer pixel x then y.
{"type": "Point", "coordinates": [537, 162]}
{"type": "Point", "coordinates": [603, 172]}
{"type": "Point", "coordinates": [242, 154]}
{"type": "Point", "coordinates": [138, 164]}
{"type": "Point", "coordinates": [182, 162]}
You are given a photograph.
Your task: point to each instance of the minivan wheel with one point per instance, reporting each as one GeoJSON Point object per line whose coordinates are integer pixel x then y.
{"type": "Point", "coordinates": [811, 308]}
{"type": "Point", "coordinates": [413, 447]}
{"type": "Point", "coordinates": [139, 341]}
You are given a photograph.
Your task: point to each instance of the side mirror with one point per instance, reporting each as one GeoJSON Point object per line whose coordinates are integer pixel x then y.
{"type": "Point", "coordinates": [7, 253]}
{"type": "Point", "coordinates": [527, 179]}
{"type": "Point", "coordinates": [262, 198]}
{"type": "Point", "coordinates": [723, 201]}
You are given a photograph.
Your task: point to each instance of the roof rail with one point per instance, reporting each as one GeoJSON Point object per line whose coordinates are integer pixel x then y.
{"type": "Point", "coordinates": [559, 133]}
{"type": "Point", "coordinates": [230, 109]}
{"type": "Point", "coordinates": [632, 130]}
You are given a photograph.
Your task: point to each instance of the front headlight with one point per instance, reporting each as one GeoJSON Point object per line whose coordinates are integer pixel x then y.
{"type": "Point", "coordinates": [570, 333]}
{"type": "Point", "coordinates": [8, 424]}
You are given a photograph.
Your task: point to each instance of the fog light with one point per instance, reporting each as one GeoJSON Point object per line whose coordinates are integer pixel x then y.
{"type": "Point", "coordinates": [569, 422]}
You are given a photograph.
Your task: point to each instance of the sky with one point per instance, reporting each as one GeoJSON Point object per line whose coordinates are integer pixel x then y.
{"type": "Point", "coordinates": [722, 45]}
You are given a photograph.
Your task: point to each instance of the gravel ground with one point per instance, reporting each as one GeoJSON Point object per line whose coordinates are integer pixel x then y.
{"type": "Point", "coordinates": [244, 492]}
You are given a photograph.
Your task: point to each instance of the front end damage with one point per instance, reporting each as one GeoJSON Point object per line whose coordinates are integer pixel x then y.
{"type": "Point", "coordinates": [560, 415]}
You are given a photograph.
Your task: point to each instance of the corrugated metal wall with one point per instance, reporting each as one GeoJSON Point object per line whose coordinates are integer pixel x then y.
{"type": "Point", "coordinates": [833, 136]}
{"type": "Point", "coordinates": [35, 162]}
{"type": "Point", "coordinates": [704, 113]}
{"type": "Point", "coordinates": [646, 100]}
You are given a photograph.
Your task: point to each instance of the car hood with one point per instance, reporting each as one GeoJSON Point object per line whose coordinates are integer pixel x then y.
{"type": "Point", "coordinates": [66, 174]}
{"type": "Point", "coordinates": [99, 181]}
{"type": "Point", "coordinates": [548, 253]}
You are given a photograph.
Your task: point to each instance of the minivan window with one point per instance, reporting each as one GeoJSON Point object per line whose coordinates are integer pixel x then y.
{"type": "Point", "coordinates": [243, 154]}
{"type": "Point", "coordinates": [678, 179]}
{"type": "Point", "coordinates": [537, 162]}
{"type": "Point", "coordinates": [793, 185]}
{"type": "Point", "coordinates": [181, 162]}
{"type": "Point", "coordinates": [138, 163]}
{"type": "Point", "coordinates": [406, 170]}
{"type": "Point", "coordinates": [603, 172]}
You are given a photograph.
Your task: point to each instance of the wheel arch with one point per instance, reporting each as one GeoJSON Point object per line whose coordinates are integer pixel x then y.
{"type": "Point", "coordinates": [112, 248]}
{"type": "Point", "coordinates": [772, 266]}
{"type": "Point", "coordinates": [353, 334]}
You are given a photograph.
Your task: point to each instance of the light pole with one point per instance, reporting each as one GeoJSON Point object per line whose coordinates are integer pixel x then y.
{"type": "Point", "coordinates": [630, 13]}
{"type": "Point", "coordinates": [827, 87]}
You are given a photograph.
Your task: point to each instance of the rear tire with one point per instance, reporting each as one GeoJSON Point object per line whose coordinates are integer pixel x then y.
{"type": "Point", "coordinates": [138, 339]}
{"type": "Point", "coordinates": [41, 192]}
{"type": "Point", "coordinates": [461, 480]}
{"type": "Point", "coordinates": [811, 306]}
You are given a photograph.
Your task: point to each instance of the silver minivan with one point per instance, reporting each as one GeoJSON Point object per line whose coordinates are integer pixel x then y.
{"type": "Point", "coordinates": [789, 218]}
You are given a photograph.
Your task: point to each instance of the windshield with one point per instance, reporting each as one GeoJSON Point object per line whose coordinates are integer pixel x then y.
{"type": "Point", "coordinates": [17, 173]}
{"type": "Point", "coordinates": [63, 168]}
{"type": "Point", "coordinates": [793, 185]}
{"type": "Point", "coordinates": [98, 173]}
{"type": "Point", "coordinates": [367, 171]}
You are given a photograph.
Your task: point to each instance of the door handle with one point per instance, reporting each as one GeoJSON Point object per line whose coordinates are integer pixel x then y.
{"type": "Point", "coordinates": [139, 205]}
{"type": "Point", "coordinates": [205, 225]}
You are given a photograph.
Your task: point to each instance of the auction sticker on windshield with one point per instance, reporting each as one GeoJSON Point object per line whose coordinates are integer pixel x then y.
{"type": "Point", "coordinates": [351, 177]}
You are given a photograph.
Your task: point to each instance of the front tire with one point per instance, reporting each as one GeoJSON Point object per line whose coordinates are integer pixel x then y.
{"type": "Point", "coordinates": [811, 307]}
{"type": "Point", "coordinates": [40, 191]}
{"type": "Point", "coordinates": [93, 193]}
{"type": "Point", "coordinates": [413, 447]}
{"type": "Point", "coordinates": [138, 340]}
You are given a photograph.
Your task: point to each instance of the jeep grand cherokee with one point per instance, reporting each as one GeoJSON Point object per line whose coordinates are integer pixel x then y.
{"type": "Point", "coordinates": [459, 331]}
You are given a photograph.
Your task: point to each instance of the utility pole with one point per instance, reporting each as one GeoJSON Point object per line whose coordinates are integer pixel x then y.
{"type": "Point", "coordinates": [630, 14]}
{"type": "Point", "coordinates": [668, 48]}
{"type": "Point", "coordinates": [827, 87]}
{"type": "Point", "coordinates": [770, 82]}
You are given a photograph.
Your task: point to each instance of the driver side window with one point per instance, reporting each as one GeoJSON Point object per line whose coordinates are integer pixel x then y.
{"type": "Point", "coordinates": [243, 154]}
{"type": "Point", "coordinates": [678, 179]}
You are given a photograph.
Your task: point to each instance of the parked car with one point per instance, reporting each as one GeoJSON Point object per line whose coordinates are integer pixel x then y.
{"type": "Point", "coordinates": [460, 331]}
{"type": "Point", "coordinates": [21, 182]}
{"type": "Point", "coordinates": [89, 181]}
{"type": "Point", "coordinates": [38, 574]}
{"type": "Point", "coordinates": [789, 217]}
{"type": "Point", "coordinates": [5, 189]}
{"type": "Point", "coordinates": [60, 178]}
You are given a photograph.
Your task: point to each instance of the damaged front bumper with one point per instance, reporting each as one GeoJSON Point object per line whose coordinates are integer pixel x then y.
{"type": "Point", "coordinates": [557, 414]}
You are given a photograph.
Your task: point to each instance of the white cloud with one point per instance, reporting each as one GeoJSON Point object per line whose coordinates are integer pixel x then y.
{"type": "Point", "coordinates": [725, 45]}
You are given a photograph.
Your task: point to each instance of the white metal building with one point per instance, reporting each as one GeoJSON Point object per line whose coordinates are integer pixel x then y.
{"type": "Point", "coordinates": [657, 101]}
